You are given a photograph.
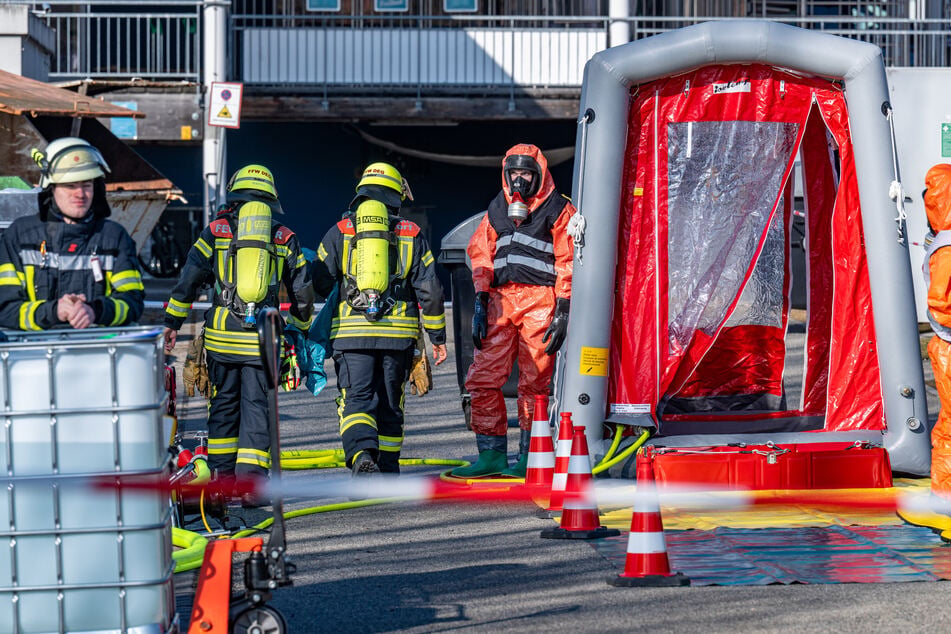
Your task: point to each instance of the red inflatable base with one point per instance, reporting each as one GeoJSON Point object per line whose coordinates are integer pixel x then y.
{"type": "Point", "coordinates": [759, 467]}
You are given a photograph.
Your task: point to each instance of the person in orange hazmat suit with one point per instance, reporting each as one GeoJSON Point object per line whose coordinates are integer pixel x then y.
{"type": "Point", "coordinates": [937, 271]}
{"type": "Point", "coordinates": [521, 256]}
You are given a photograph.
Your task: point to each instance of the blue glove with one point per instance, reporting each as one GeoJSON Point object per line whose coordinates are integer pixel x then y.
{"type": "Point", "coordinates": [558, 327]}
{"type": "Point", "coordinates": [480, 320]}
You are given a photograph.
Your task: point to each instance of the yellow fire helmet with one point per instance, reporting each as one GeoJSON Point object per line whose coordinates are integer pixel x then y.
{"type": "Point", "coordinates": [384, 183]}
{"type": "Point", "coordinates": [254, 183]}
{"type": "Point", "coordinates": [69, 160]}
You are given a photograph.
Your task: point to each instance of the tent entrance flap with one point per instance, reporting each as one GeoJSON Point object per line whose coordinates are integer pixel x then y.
{"type": "Point", "coordinates": [703, 338]}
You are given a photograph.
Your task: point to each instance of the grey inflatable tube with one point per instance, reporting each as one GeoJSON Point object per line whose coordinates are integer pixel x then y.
{"type": "Point", "coordinates": [608, 78]}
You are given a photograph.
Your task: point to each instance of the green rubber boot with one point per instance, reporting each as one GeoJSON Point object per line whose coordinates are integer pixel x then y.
{"type": "Point", "coordinates": [518, 469]}
{"type": "Point", "coordinates": [490, 462]}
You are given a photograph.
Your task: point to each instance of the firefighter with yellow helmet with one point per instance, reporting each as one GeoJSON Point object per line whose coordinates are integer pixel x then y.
{"type": "Point", "coordinates": [68, 265]}
{"type": "Point", "coordinates": [387, 282]}
{"type": "Point", "coordinates": [246, 255]}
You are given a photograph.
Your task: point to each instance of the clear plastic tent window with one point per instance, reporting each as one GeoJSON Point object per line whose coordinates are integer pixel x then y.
{"type": "Point", "coordinates": [725, 179]}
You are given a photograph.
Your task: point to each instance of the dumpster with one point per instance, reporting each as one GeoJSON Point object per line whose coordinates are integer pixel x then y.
{"type": "Point", "coordinates": [79, 405]}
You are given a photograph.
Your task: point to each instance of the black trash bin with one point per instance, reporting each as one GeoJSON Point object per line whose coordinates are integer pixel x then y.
{"type": "Point", "coordinates": [462, 295]}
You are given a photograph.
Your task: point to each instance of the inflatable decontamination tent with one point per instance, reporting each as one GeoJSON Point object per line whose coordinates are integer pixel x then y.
{"type": "Point", "coordinates": [680, 317]}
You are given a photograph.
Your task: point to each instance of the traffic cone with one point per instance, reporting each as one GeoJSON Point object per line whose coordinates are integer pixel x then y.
{"type": "Point", "coordinates": [560, 475]}
{"type": "Point", "coordinates": [647, 564]}
{"type": "Point", "coordinates": [579, 518]}
{"type": "Point", "coordinates": [541, 453]}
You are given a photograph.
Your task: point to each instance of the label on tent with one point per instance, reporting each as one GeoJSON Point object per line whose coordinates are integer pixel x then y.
{"type": "Point", "coordinates": [594, 361]}
{"type": "Point", "coordinates": [945, 139]}
{"type": "Point", "coordinates": [740, 85]}
{"type": "Point", "coordinates": [638, 191]}
{"type": "Point", "coordinates": [630, 408]}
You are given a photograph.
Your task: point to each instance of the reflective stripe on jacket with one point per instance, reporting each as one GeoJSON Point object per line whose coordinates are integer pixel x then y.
{"type": "Point", "coordinates": [42, 261]}
{"type": "Point", "coordinates": [525, 253]}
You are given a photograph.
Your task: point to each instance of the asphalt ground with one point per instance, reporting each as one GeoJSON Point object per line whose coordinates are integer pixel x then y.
{"type": "Point", "coordinates": [483, 567]}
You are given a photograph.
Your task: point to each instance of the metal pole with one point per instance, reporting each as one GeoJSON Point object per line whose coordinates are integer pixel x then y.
{"type": "Point", "coordinates": [214, 56]}
{"type": "Point", "coordinates": [619, 31]}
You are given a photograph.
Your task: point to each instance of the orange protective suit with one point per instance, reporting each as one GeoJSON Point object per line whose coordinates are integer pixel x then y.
{"type": "Point", "coordinates": [519, 309]}
{"type": "Point", "coordinates": [938, 207]}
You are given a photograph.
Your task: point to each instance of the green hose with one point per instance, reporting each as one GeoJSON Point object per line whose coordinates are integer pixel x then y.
{"type": "Point", "coordinates": [193, 544]}
{"type": "Point", "coordinates": [605, 465]}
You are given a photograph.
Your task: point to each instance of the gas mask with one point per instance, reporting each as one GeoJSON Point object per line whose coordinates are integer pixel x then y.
{"type": "Point", "coordinates": [517, 210]}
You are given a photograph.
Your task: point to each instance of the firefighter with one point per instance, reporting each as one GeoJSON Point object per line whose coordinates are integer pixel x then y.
{"type": "Point", "coordinates": [937, 271]}
{"type": "Point", "coordinates": [385, 271]}
{"type": "Point", "coordinates": [68, 266]}
{"type": "Point", "coordinates": [521, 257]}
{"type": "Point", "coordinates": [246, 269]}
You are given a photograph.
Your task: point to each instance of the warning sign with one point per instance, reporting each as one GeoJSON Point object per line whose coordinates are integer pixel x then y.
{"type": "Point", "coordinates": [224, 104]}
{"type": "Point", "coordinates": [594, 361]}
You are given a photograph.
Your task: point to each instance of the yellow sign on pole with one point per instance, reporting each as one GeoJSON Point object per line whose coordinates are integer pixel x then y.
{"type": "Point", "coordinates": [224, 107]}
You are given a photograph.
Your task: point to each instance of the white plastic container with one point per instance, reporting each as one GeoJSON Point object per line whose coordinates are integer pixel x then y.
{"type": "Point", "coordinates": [80, 403]}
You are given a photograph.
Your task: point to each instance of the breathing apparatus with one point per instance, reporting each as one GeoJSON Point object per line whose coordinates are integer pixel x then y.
{"type": "Point", "coordinates": [520, 189]}
{"type": "Point", "coordinates": [381, 190]}
{"type": "Point", "coordinates": [251, 261]}
{"type": "Point", "coordinates": [371, 257]}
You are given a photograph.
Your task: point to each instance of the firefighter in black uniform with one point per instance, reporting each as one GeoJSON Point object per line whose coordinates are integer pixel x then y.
{"type": "Point", "coordinates": [374, 338]}
{"type": "Point", "coordinates": [68, 266]}
{"type": "Point", "coordinates": [238, 439]}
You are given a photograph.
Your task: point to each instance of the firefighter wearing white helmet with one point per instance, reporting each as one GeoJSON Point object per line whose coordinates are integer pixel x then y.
{"type": "Point", "coordinates": [386, 274]}
{"type": "Point", "coordinates": [248, 256]}
{"type": "Point", "coordinates": [68, 266]}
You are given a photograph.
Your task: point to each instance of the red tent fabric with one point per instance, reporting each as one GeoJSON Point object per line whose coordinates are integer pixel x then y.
{"type": "Point", "coordinates": [704, 273]}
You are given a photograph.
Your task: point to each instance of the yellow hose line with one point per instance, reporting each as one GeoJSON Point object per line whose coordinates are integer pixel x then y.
{"type": "Point", "coordinates": [604, 466]}
{"type": "Point", "coordinates": [192, 547]}
{"type": "Point", "coordinates": [193, 544]}
{"type": "Point", "coordinates": [618, 432]}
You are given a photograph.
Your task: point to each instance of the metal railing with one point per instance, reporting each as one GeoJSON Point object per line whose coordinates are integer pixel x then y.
{"type": "Point", "coordinates": [308, 51]}
{"type": "Point", "coordinates": [156, 40]}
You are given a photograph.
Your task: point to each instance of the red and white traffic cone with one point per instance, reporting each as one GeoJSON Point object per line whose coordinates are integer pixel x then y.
{"type": "Point", "coordinates": [560, 475]}
{"type": "Point", "coordinates": [647, 564]}
{"type": "Point", "coordinates": [541, 453]}
{"type": "Point", "coordinates": [579, 518]}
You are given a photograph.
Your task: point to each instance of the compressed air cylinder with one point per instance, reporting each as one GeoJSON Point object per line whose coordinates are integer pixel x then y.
{"type": "Point", "coordinates": [373, 247]}
{"type": "Point", "coordinates": [253, 263]}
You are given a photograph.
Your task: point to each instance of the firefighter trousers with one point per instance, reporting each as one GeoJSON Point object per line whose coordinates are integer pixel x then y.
{"type": "Point", "coordinates": [370, 405]}
{"type": "Point", "coordinates": [238, 436]}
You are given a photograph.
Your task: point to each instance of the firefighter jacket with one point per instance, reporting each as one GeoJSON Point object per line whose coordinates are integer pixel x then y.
{"type": "Point", "coordinates": [414, 285]}
{"type": "Point", "coordinates": [43, 258]}
{"type": "Point", "coordinates": [208, 262]}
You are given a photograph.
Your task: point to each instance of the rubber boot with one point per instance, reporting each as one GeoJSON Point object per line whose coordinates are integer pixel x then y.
{"type": "Point", "coordinates": [518, 469]}
{"type": "Point", "coordinates": [492, 459]}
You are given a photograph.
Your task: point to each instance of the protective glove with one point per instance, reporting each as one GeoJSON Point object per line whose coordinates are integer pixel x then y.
{"type": "Point", "coordinates": [195, 371]}
{"type": "Point", "coordinates": [202, 384]}
{"type": "Point", "coordinates": [290, 369]}
{"type": "Point", "coordinates": [480, 319]}
{"type": "Point", "coordinates": [189, 370]}
{"type": "Point", "coordinates": [558, 327]}
{"type": "Point", "coordinates": [421, 374]}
